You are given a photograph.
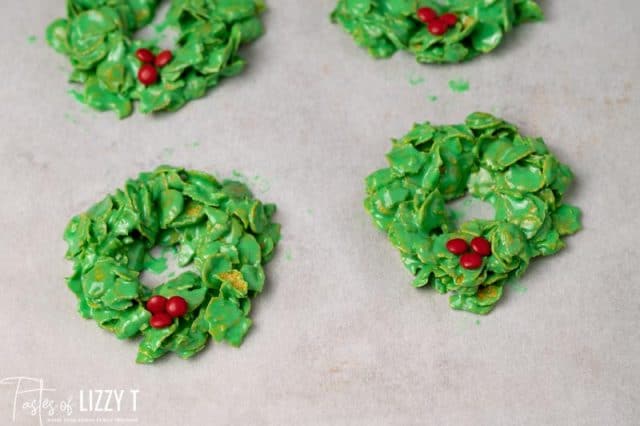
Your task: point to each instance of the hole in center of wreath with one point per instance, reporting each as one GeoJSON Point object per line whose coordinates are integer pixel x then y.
{"type": "Point", "coordinates": [467, 208]}
{"type": "Point", "coordinates": [161, 265]}
{"type": "Point", "coordinates": [157, 30]}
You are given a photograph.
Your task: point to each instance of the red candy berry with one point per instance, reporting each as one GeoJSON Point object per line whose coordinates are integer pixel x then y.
{"type": "Point", "coordinates": [163, 58]}
{"type": "Point", "coordinates": [177, 306]}
{"type": "Point", "coordinates": [471, 261]}
{"type": "Point", "coordinates": [156, 304]}
{"type": "Point", "coordinates": [160, 320]}
{"type": "Point", "coordinates": [437, 27]}
{"type": "Point", "coordinates": [449, 19]}
{"type": "Point", "coordinates": [426, 14]}
{"type": "Point", "coordinates": [144, 55]}
{"type": "Point", "coordinates": [481, 246]}
{"type": "Point", "coordinates": [457, 246]}
{"type": "Point", "coordinates": [147, 74]}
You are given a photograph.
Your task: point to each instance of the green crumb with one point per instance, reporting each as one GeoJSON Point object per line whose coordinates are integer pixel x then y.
{"type": "Point", "coordinates": [432, 98]}
{"type": "Point", "coordinates": [516, 286]}
{"type": "Point", "coordinates": [477, 322]}
{"type": "Point", "coordinates": [416, 80]}
{"type": "Point", "coordinates": [70, 118]}
{"type": "Point", "coordinates": [167, 153]}
{"type": "Point", "coordinates": [157, 265]}
{"type": "Point", "coordinates": [459, 85]}
{"type": "Point", "coordinates": [262, 184]}
{"type": "Point", "coordinates": [259, 183]}
{"type": "Point", "coordinates": [287, 255]}
{"type": "Point", "coordinates": [76, 95]}
{"type": "Point", "coordinates": [32, 39]}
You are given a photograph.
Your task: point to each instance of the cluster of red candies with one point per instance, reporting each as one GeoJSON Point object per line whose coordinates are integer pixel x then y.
{"type": "Point", "coordinates": [437, 25]}
{"type": "Point", "coordinates": [164, 310]}
{"type": "Point", "coordinates": [480, 248]}
{"type": "Point", "coordinates": [148, 72]}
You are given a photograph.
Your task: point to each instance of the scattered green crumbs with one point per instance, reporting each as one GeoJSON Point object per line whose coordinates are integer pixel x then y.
{"type": "Point", "coordinates": [385, 26]}
{"type": "Point", "coordinates": [98, 38]}
{"type": "Point", "coordinates": [489, 159]}
{"type": "Point", "coordinates": [216, 226]}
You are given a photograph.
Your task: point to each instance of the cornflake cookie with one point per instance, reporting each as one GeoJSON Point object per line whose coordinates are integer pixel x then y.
{"type": "Point", "coordinates": [116, 69]}
{"type": "Point", "coordinates": [435, 32]}
{"type": "Point", "coordinates": [489, 159]}
{"type": "Point", "coordinates": [218, 227]}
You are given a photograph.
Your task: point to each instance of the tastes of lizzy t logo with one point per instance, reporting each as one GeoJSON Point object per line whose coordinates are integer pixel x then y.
{"type": "Point", "coordinates": [31, 398]}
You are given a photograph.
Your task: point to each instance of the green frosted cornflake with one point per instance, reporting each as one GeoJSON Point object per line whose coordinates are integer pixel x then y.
{"type": "Point", "coordinates": [157, 265]}
{"type": "Point", "coordinates": [406, 159]}
{"type": "Point", "coordinates": [524, 178]}
{"type": "Point", "coordinates": [566, 219]}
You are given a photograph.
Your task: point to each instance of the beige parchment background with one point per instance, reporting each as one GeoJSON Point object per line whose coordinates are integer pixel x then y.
{"type": "Point", "coordinates": [340, 336]}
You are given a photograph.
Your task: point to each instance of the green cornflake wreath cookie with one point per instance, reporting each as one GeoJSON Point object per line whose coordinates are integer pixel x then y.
{"type": "Point", "coordinates": [490, 160]}
{"type": "Point", "coordinates": [435, 31]}
{"type": "Point", "coordinates": [98, 38]}
{"type": "Point", "coordinates": [218, 226]}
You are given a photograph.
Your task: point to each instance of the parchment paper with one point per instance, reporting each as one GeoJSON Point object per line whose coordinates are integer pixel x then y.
{"type": "Point", "coordinates": [340, 335]}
